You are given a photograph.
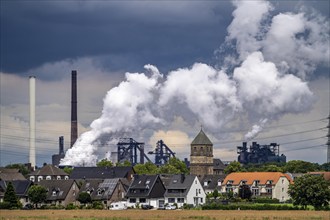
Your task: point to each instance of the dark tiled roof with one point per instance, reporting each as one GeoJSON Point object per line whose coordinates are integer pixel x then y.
{"type": "Point", "coordinates": [179, 185]}
{"type": "Point", "coordinates": [21, 186]}
{"type": "Point", "coordinates": [10, 174]}
{"type": "Point", "coordinates": [212, 181]}
{"type": "Point", "coordinates": [62, 188]}
{"type": "Point", "coordinates": [218, 165]}
{"type": "Point", "coordinates": [49, 170]}
{"type": "Point", "coordinates": [100, 172]}
{"type": "Point", "coordinates": [201, 139]}
{"type": "Point", "coordinates": [142, 185]}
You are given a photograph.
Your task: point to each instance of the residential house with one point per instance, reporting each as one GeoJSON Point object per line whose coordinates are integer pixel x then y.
{"type": "Point", "coordinates": [262, 184]}
{"type": "Point", "coordinates": [60, 192]}
{"type": "Point", "coordinates": [146, 190]}
{"type": "Point", "coordinates": [185, 189]}
{"type": "Point", "coordinates": [107, 191]}
{"type": "Point", "coordinates": [212, 182]}
{"type": "Point", "coordinates": [102, 173]}
{"type": "Point", "coordinates": [218, 166]}
{"type": "Point", "coordinates": [9, 174]}
{"type": "Point", "coordinates": [21, 188]}
{"type": "Point", "coordinates": [326, 175]}
{"type": "Point", "coordinates": [48, 172]}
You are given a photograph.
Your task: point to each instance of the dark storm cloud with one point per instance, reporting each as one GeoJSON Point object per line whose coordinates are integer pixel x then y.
{"type": "Point", "coordinates": [124, 35]}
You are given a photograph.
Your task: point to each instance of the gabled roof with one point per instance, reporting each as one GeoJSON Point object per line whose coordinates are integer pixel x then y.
{"type": "Point", "coordinates": [61, 187]}
{"type": "Point", "coordinates": [7, 174]}
{"type": "Point", "coordinates": [326, 175]}
{"type": "Point", "coordinates": [100, 172]}
{"type": "Point", "coordinates": [49, 170]}
{"type": "Point", "coordinates": [106, 188]}
{"type": "Point", "coordinates": [218, 165]}
{"type": "Point", "coordinates": [212, 181]}
{"type": "Point", "coordinates": [201, 139]}
{"type": "Point", "coordinates": [179, 185]}
{"type": "Point", "coordinates": [142, 185]}
{"type": "Point", "coordinates": [250, 177]}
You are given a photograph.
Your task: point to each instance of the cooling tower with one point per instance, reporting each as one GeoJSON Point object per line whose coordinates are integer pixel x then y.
{"type": "Point", "coordinates": [32, 92]}
{"type": "Point", "coordinates": [74, 127]}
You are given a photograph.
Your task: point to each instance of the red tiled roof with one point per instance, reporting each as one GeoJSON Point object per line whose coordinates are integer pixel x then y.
{"type": "Point", "coordinates": [250, 177]}
{"type": "Point", "coordinates": [326, 175]}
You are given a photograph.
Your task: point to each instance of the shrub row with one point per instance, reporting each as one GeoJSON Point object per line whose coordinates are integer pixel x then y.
{"type": "Point", "coordinates": [215, 206]}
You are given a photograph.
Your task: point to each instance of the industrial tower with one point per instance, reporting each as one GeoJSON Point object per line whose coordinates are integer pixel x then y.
{"type": "Point", "coordinates": [328, 143]}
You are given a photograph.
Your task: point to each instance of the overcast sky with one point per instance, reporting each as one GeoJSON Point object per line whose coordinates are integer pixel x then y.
{"type": "Point", "coordinates": [234, 44]}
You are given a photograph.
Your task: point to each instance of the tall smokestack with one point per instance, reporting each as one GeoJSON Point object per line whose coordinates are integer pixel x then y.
{"type": "Point", "coordinates": [32, 91]}
{"type": "Point", "coordinates": [74, 127]}
{"type": "Point", "coordinates": [61, 145]}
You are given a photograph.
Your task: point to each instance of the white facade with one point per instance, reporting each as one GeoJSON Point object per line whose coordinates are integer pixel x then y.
{"type": "Point", "coordinates": [195, 196]}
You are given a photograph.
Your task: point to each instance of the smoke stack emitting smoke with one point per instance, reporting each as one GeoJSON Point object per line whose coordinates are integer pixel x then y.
{"type": "Point", "coordinates": [263, 84]}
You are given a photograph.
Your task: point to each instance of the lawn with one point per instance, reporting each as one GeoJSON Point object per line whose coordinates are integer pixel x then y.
{"type": "Point", "coordinates": [161, 215]}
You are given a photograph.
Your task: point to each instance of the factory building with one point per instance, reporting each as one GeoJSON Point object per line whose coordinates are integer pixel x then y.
{"type": "Point", "coordinates": [201, 155]}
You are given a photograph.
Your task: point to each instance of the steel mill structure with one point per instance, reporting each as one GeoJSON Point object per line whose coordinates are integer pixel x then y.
{"type": "Point", "coordinates": [260, 153]}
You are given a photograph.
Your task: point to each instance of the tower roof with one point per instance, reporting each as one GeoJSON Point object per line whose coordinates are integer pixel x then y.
{"type": "Point", "coordinates": [201, 139]}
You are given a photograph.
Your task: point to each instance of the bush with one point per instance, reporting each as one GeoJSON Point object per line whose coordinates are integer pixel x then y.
{"type": "Point", "coordinates": [266, 200]}
{"type": "Point", "coordinates": [71, 206]}
{"type": "Point", "coordinates": [5, 205]}
{"type": "Point", "coordinates": [216, 206]}
{"type": "Point", "coordinates": [97, 205]}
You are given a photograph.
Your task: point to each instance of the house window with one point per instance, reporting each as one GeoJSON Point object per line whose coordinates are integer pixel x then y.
{"type": "Point", "coordinates": [255, 191]}
{"type": "Point", "coordinates": [39, 178]}
{"type": "Point", "coordinates": [180, 200]}
{"type": "Point", "coordinates": [199, 191]}
{"type": "Point", "coordinates": [54, 193]}
{"type": "Point", "coordinates": [269, 190]}
{"type": "Point", "coordinates": [66, 177]}
{"type": "Point", "coordinates": [282, 181]}
{"type": "Point", "coordinates": [48, 177]}
{"type": "Point", "coordinates": [171, 200]}
{"type": "Point", "coordinates": [256, 182]}
{"type": "Point", "coordinates": [58, 177]}
{"type": "Point", "coordinates": [201, 200]}
{"type": "Point", "coordinates": [282, 189]}
{"type": "Point", "coordinates": [132, 200]}
{"type": "Point", "coordinates": [205, 183]}
{"type": "Point", "coordinates": [147, 182]}
{"type": "Point", "coordinates": [32, 178]}
{"type": "Point", "coordinates": [99, 192]}
{"type": "Point", "coordinates": [142, 200]}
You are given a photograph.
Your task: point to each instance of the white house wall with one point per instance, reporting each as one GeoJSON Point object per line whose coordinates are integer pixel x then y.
{"type": "Point", "coordinates": [281, 188]}
{"type": "Point", "coordinates": [192, 193]}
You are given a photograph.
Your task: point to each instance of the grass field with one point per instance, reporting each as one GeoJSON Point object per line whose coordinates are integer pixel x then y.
{"type": "Point", "coordinates": [161, 215]}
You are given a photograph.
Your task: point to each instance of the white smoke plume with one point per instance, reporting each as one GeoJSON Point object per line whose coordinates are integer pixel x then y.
{"type": "Point", "coordinates": [264, 84]}
{"type": "Point", "coordinates": [255, 130]}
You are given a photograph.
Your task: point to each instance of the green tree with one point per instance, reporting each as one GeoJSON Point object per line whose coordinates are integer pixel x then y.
{"type": "Point", "coordinates": [84, 198]}
{"type": "Point", "coordinates": [126, 163]}
{"type": "Point", "coordinates": [244, 192]}
{"type": "Point", "coordinates": [310, 190]}
{"type": "Point", "coordinates": [37, 194]}
{"type": "Point", "coordinates": [179, 165]}
{"type": "Point", "coordinates": [21, 167]}
{"type": "Point", "coordinates": [325, 167]}
{"type": "Point", "coordinates": [168, 169]}
{"type": "Point", "coordinates": [300, 166]}
{"type": "Point", "coordinates": [233, 167]}
{"type": "Point", "coordinates": [10, 196]}
{"type": "Point", "coordinates": [215, 194]}
{"type": "Point", "coordinates": [147, 168]}
{"type": "Point", "coordinates": [104, 163]}
{"type": "Point", "coordinates": [68, 170]}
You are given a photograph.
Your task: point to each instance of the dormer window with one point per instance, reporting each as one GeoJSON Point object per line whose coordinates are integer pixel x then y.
{"type": "Point", "coordinates": [205, 183]}
{"type": "Point", "coordinates": [54, 193]}
{"type": "Point", "coordinates": [230, 182]}
{"type": "Point", "coordinates": [147, 182]}
{"type": "Point", "coordinates": [243, 182]}
{"type": "Point", "coordinates": [256, 182]}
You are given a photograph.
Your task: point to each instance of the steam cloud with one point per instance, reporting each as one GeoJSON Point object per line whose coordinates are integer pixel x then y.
{"type": "Point", "coordinates": [273, 57]}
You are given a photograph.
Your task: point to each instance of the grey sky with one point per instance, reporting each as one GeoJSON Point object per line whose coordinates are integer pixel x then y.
{"type": "Point", "coordinates": [105, 39]}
